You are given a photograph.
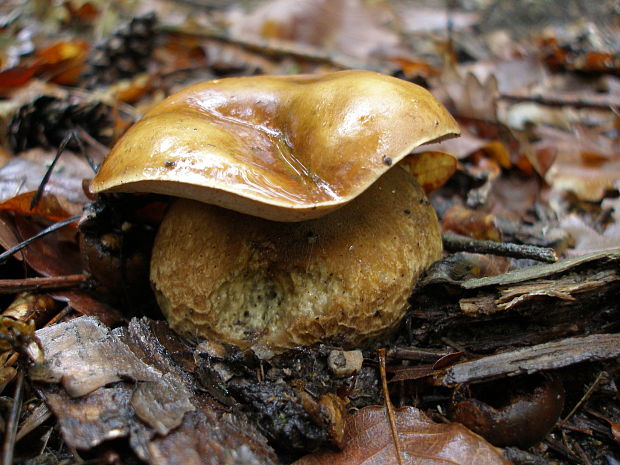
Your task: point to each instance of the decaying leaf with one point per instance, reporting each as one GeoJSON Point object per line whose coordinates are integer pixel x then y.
{"type": "Point", "coordinates": [85, 304]}
{"type": "Point", "coordinates": [15, 334]}
{"type": "Point", "coordinates": [368, 441]}
{"type": "Point", "coordinates": [8, 237]}
{"type": "Point", "coordinates": [64, 61]}
{"type": "Point", "coordinates": [470, 97]}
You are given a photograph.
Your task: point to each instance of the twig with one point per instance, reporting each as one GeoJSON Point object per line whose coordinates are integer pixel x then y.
{"type": "Point", "coordinates": [560, 102]}
{"type": "Point", "coordinates": [64, 312]}
{"type": "Point", "coordinates": [388, 406]}
{"type": "Point", "coordinates": [61, 224]}
{"type": "Point", "coordinates": [61, 148]}
{"type": "Point", "coordinates": [11, 422]}
{"type": "Point", "coordinates": [274, 49]}
{"type": "Point", "coordinates": [582, 454]}
{"type": "Point", "coordinates": [457, 347]}
{"type": "Point", "coordinates": [80, 143]}
{"type": "Point", "coordinates": [100, 149]}
{"type": "Point", "coordinates": [561, 449]}
{"type": "Point", "coordinates": [455, 243]}
{"type": "Point", "coordinates": [36, 418]}
{"type": "Point", "coordinates": [11, 286]}
{"type": "Point", "coordinates": [416, 354]}
{"type": "Point", "coordinates": [585, 397]}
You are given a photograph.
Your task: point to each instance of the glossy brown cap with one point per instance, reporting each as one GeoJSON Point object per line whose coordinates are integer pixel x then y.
{"type": "Point", "coordinates": [284, 148]}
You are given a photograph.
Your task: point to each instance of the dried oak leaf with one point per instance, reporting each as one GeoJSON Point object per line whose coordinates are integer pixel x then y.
{"type": "Point", "coordinates": [368, 441]}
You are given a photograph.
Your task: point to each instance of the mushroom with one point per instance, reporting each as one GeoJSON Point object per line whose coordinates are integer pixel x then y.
{"type": "Point", "coordinates": [295, 226]}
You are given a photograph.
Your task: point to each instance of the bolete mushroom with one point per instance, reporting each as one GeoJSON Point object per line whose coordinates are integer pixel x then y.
{"type": "Point", "coordinates": [326, 240]}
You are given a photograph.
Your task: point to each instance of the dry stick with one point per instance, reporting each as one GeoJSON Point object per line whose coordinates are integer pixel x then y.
{"type": "Point", "coordinates": [65, 311]}
{"type": "Point", "coordinates": [416, 354]}
{"type": "Point", "coordinates": [389, 407]}
{"type": "Point", "coordinates": [61, 224]}
{"type": "Point", "coordinates": [87, 157]}
{"type": "Point", "coordinates": [561, 449]}
{"type": "Point", "coordinates": [11, 422]}
{"type": "Point", "coordinates": [12, 360]}
{"type": "Point", "coordinates": [36, 418]}
{"type": "Point", "coordinates": [61, 148]}
{"type": "Point", "coordinates": [558, 102]}
{"type": "Point", "coordinates": [455, 243]}
{"type": "Point", "coordinates": [585, 397]}
{"type": "Point", "coordinates": [582, 454]}
{"type": "Point", "coordinates": [12, 286]}
{"type": "Point", "coordinates": [274, 49]}
{"type": "Point", "coordinates": [100, 149]}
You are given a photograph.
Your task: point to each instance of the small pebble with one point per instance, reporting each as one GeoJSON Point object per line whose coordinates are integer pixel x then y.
{"type": "Point", "coordinates": [345, 363]}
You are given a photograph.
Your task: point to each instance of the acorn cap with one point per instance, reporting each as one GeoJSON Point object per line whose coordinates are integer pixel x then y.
{"type": "Point", "coordinates": [344, 278]}
{"type": "Point", "coordinates": [284, 148]}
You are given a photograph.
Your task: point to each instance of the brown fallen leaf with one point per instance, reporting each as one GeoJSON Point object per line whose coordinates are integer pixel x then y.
{"type": "Point", "coordinates": [50, 207]}
{"type": "Point", "coordinates": [470, 223]}
{"type": "Point", "coordinates": [15, 77]}
{"type": "Point", "coordinates": [52, 255]}
{"type": "Point", "coordinates": [469, 96]}
{"type": "Point", "coordinates": [583, 161]}
{"type": "Point", "coordinates": [24, 173]}
{"type": "Point", "coordinates": [87, 305]}
{"type": "Point", "coordinates": [460, 147]}
{"type": "Point", "coordinates": [86, 12]}
{"type": "Point", "coordinates": [350, 27]}
{"type": "Point", "coordinates": [431, 169]}
{"type": "Point", "coordinates": [64, 61]}
{"type": "Point", "coordinates": [588, 240]}
{"type": "Point", "coordinates": [368, 441]}
{"type": "Point", "coordinates": [8, 237]}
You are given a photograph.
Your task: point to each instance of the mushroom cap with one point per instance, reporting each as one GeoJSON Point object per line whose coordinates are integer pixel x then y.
{"type": "Point", "coordinates": [284, 148]}
{"type": "Point", "coordinates": [345, 277]}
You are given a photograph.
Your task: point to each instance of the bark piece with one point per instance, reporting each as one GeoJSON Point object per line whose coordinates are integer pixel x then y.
{"type": "Point", "coordinates": [126, 382]}
{"type": "Point", "coordinates": [162, 404]}
{"type": "Point", "coordinates": [529, 360]}
{"type": "Point", "coordinates": [90, 420]}
{"type": "Point", "coordinates": [527, 306]}
{"type": "Point", "coordinates": [90, 362]}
